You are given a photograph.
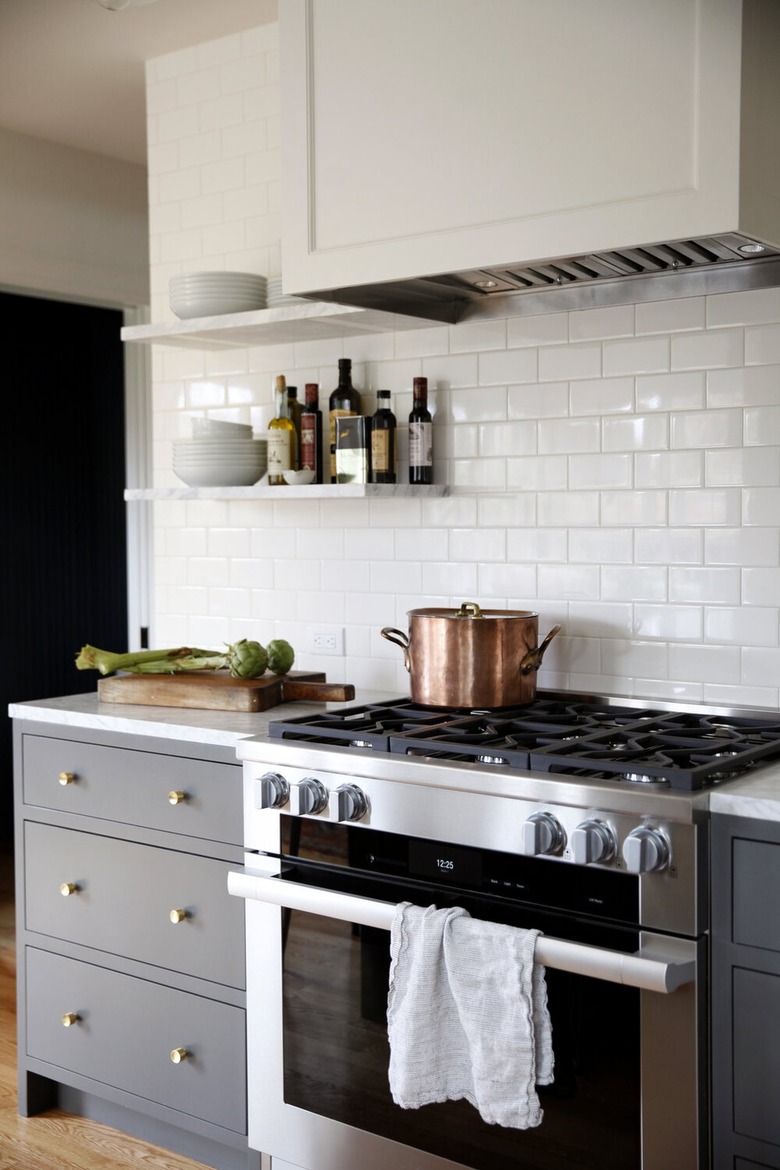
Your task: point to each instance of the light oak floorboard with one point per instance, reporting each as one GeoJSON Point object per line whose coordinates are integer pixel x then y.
{"type": "Point", "coordinates": [54, 1140]}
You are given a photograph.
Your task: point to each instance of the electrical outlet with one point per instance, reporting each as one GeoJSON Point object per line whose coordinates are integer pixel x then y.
{"type": "Point", "coordinates": [326, 640]}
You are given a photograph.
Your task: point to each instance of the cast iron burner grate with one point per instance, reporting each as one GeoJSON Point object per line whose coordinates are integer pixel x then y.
{"type": "Point", "coordinates": [637, 745]}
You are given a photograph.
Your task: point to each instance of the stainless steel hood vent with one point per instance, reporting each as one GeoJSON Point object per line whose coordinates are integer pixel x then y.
{"type": "Point", "coordinates": [680, 268]}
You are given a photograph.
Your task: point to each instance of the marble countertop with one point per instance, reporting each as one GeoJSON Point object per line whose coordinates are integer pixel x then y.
{"type": "Point", "coordinates": [756, 796]}
{"type": "Point", "coordinates": [195, 725]}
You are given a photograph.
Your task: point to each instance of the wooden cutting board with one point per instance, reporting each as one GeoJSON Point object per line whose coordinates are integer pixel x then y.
{"type": "Point", "coordinates": [216, 690]}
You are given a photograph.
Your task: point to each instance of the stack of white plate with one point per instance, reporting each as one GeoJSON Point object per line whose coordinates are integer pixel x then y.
{"type": "Point", "coordinates": [276, 297]}
{"type": "Point", "coordinates": [209, 294]}
{"type": "Point", "coordinates": [220, 460]}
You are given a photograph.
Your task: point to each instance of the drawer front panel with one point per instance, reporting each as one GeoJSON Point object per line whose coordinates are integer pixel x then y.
{"type": "Point", "coordinates": [196, 797]}
{"type": "Point", "coordinates": [123, 1031]}
{"type": "Point", "coordinates": [119, 896]}
{"type": "Point", "coordinates": [756, 867]}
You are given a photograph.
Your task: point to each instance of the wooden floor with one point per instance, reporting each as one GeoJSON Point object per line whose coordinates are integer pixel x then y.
{"type": "Point", "coordinates": [54, 1140]}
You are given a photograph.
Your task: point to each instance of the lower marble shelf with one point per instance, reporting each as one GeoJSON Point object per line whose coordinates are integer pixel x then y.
{"type": "Point", "coordinates": [331, 491]}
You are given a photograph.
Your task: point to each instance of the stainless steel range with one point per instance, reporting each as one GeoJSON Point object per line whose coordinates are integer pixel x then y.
{"type": "Point", "coordinates": [583, 817]}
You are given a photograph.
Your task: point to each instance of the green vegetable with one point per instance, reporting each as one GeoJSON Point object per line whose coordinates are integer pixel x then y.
{"type": "Point", "coordinates": [280, 656]}
{"type": "Point", "coordinates": [244, 659]}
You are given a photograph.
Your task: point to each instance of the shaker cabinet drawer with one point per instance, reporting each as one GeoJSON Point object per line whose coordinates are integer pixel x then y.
{"type": "Point", "coordinates": [156, 905]}
{"type": "Point", "coordinates": [180, 1050]}
{"type": "Point", "coordinates": [198, 798]}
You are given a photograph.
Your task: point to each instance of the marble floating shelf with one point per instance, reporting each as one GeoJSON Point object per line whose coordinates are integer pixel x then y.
{"type": "Point", "coordinates": [309, 321]}
{"type": "Point", "coordinates": [338, 491]}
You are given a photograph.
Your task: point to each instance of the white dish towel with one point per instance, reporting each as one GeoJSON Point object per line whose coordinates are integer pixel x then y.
{"type": "Point", "coordinates": [467, 1015]}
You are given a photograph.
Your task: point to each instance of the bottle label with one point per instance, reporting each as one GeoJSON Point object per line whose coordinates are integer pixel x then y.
{"type": "Point", "coordinates": [420, 444]}
{"type": "Point", "coordinates": [279, 452]}
{"type": "Point", "coordinates": [333, 415]}
{"type": "Point", "coordinates": [309, 442]}
{"type": "Point", "coordinates": [380, 451]}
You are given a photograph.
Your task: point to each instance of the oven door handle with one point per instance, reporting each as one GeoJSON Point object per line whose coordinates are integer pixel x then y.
{"type": "Point", "coordinates": [661, 972]}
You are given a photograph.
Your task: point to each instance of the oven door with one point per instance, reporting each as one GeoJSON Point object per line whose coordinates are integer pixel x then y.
{"type": "Point", "coordinates": [627, 1093]}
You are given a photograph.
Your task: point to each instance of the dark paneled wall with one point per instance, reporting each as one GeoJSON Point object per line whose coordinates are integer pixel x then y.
{"type": "Point", "coordinates": [62, 512]}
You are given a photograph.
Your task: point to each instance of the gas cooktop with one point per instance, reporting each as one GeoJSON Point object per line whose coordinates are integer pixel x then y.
{"type": "Point", "coordinates": [562, 734]}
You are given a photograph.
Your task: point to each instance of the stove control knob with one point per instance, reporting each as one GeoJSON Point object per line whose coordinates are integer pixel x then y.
{"type": "Point", "coordinates": [592, 841]}
{"type": "Point", "coordinates": [308, 797]}
{"type": "Point", "coordinates": [350, 803]}
{"type": "Point", "coordinates": [646, 850]}
{"type": "Point", "coordinates": [273, 791]}
{"type": "Point", "coordinates": [542, 834]}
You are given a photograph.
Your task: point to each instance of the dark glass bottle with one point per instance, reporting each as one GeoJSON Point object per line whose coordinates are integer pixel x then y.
{"type": "Point", "coordinates": [311, 431]}
{"type": "Point", "coordinates": [420, 435]}
{"type": "Point", "coordinates": [345, 400]}
{"type": "Point", "coordinates": [294, 410]}
{"type": "Point", "coordinates": [383, 464]}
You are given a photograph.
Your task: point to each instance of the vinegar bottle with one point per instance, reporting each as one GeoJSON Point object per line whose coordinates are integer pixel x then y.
{"type": "Point", "coordinates": [281, 436]}
{"type": "Point", "coordinates": [420, 435]}
{"type": "Point", "coordinates": [311, 431]}
{"type": "Point", "coordinates": [383, 464]}
{"type": "Point", "coordinates": [345, 400]}
{"type": "Point", "coordinates": [294, 409]}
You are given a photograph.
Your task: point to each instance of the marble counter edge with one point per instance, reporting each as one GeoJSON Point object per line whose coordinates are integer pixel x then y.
{"type": "Point", "coordinates": [191, 724]}
{"type": "Point", "coordinates": [757, 797]}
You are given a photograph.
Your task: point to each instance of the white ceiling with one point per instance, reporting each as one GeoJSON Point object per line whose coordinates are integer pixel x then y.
{"type": "Point", "coordinates": [73, 72]}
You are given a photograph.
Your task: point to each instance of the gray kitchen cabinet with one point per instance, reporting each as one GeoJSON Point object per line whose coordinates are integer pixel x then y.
{"type": "Point", "coordinates": [745, 993]}
{"type": "Point", "coordinates": [130, 951]}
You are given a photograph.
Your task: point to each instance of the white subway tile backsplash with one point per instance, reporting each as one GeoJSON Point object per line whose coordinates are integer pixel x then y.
{"type": "Point", "coordinates": [600, 471]}
{"type": "Point", "coordinates": [562, 363]}
{"type": "Point", "coordinates": [588, 324]}
{"type": "Point", "coordinates": [671, 623]}
{"type": "Point", "coordinates": [668, 469]}
{"type": "Point", "coordinates": [756, 466]}
{"type": "Point", "coordinates": [544, 329]}
{"type": "Point", "coordinates": [507, 367]}
{"type": "Point", "coordinates": [642, 355]}
{"type": "Point", "coordinates": [705, 506]}
{"type": "Point", "coordinates": [679, 391]}
{"type": "Point", "coordinates": [697, 351]}
{"type": "Point", "coordinates": [620, 463]}
{"type": "Point", "coordinates": [644, 432]}
{"type": "Point", "coordinates": [762, 345]}
{"type": "Point", "coordinates": [676, 316]}
{"type": "Point", "coordinates": [704, 585]}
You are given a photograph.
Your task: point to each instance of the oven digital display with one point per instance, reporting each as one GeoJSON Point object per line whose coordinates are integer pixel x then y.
{"type": "Point", "coordinates": [445, 863]}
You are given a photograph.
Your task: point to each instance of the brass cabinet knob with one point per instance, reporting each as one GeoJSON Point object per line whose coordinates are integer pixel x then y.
{"type": "Point", "coordinates": [178, 1055]}
{"type": "Point", "coordinates": [70, 1018]}
{"type": "Point", "coordinates": [178, 915]}
{"type": "Point", "coordinates": [66, 777]}
{"type": "Point", "coordinates": [176, 797]}
{"type": "Point", "coordinates": [68, 888]}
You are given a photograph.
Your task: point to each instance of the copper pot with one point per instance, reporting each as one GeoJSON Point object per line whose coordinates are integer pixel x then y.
{"type": "Point", "coordinates": [470, 657]}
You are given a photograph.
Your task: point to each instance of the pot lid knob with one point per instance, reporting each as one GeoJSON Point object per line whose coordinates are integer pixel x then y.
{"type": "Point", "coordinates": [469, 609]}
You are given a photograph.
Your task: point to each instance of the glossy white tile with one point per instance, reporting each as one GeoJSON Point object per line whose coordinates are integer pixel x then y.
{"type": "Point", "coordinates": [718, 347]}
{"type": "Point", "coordinates": [642, 355]}
{"type": "Point", "coordinates": [668, 469]}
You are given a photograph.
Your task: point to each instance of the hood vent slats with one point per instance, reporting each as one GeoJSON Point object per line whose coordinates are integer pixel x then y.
{"type": "Point", "coordinates": [622, 262]}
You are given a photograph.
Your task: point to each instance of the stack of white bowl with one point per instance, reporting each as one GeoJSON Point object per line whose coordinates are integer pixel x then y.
{"type": "Point", "coordinates": [220, 454]}
{"type": "Point", "coordinates": [209, 294]}
{"type": "Point", "coordinates": [276, 297]}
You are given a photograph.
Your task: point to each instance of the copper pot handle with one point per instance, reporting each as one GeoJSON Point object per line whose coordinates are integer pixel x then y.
{"type": "Point", "coordinates": [400, 639]}
{"type": "Point", "coordinates": [469, 609]}
{"type": "Point", "coordinates": [533, 659]}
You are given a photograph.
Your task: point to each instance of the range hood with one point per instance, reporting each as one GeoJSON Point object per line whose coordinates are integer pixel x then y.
{"type": "Point", "coordinates": [679, 268]}
{"type": "Point", "coordinates": [599, 181]}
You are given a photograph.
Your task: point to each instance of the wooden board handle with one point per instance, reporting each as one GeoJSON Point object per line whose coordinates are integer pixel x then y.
{"type": "Point", "coordinates": [323, 692]}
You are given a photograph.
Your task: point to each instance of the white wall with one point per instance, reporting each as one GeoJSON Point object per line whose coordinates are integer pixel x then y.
{"type": "Point", "coordinates": [617, 470]}
{"type": "Point", "coordinates": [73, 225]}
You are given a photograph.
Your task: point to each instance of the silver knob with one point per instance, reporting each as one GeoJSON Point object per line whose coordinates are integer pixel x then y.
{"type": "Point", "coordinates": [308, 797]}
{"type": "Point", "coordinates": [592, 841]}
{"type": "Point", "coordinates": [646, 850]}
{"type": "Point", "coordinates": [273, 791]}
{"type": "Point", "coordinates": [350, 803]}
{"type": "Point", "coordinates": [542, 834]}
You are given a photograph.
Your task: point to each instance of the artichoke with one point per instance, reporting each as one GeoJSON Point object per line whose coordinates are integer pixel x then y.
{"type": "Point", "coordinates": [247, 659]}
{"type": "Point", "coordinates": [280, 656]}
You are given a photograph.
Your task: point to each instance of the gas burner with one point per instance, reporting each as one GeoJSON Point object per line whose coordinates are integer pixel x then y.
{"type": "Point", "coordinates": [556, 734]}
